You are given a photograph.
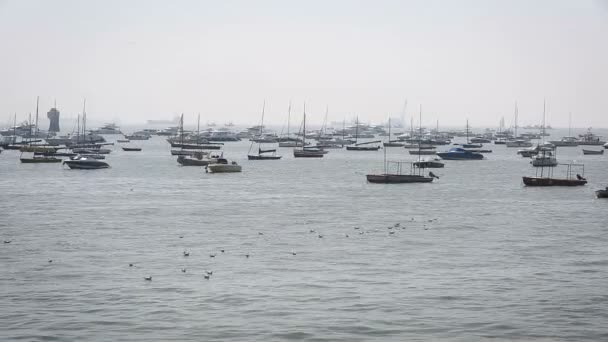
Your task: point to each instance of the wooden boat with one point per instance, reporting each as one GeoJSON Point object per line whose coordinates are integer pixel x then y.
{"type": "Point", "coordinates": [134, 149]}
{"type": "Point", "coordinates": [592, 152]}
{"type": "Point", "coordinates": [602, 193]}
{"type": "Point", "coordinates": [40, 159]}
{"type": "Point", "coordinates": [222, 166]}
{"type": "Point", "coordinates": [547, 179]}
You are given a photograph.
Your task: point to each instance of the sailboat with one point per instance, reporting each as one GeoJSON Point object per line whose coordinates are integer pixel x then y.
{"type": "Point", "coordinates": [545, 156]}
{"type": "Point", "coordinates": [287, 140]}
{"type": "Point", "coordinates": [469, 144]}
{"type": "Point", "coordinates": [416, 175]}
{"type": "Point", "coordinates": [262, 154]}
{"type": "Point", "coordinates": [85, 162]}
{"type": "Point", "coordinates": [30, 148]}
{"type": "Point", "coordinates": [392, 143]}
{"type": "Point", "coordinates": [568, 141]}
{"type": "Point", "coordinates": [359, 146]}
{"type": "Point", "coordinates": [305, 152]}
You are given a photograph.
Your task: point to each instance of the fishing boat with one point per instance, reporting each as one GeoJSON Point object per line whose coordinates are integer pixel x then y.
{"type": "Point", "coordinates": [602, 193]}
{"type": "Point", "coordinates": [416, 174]}
{"type": "Point", "coordinates": [592, 152]}
{"type": "Point", "coordinates": [84, 163]}
{"type": "Point", "coordinates": [222, 166]}
{"type": "Point", "coordinates": [305, 152]}
{"type": "Point", "coordinates": [547, 179]}
{"type": "Point", "coordinates": [360, 146]}
{"type": "Point", "coordinates": [262, 154]}
{"type": "Point", "coordinates": [131, 149]}
{"type": "Point", "coordinates": [457, 153]}
{"type": "Point", "coordinates": [590, 139]}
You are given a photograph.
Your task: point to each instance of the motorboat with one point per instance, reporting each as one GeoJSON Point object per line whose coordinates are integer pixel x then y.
{"type": "Point", "coordinates": [84, 163]}
{"type": "Point", "coordinates": [198, 159]}
{"type": "Point", "coordinates": [88, 156]}
{"type": "Point", "coordinates": [593, 152]}
{"type": "Point", "coordinates": [602, 193]}
{"type": "Point", "coordinates": [131, 149]}
{"type": "Point", "coordinates": [590, 139]}
{"type": "Point", "coordinates": [110, 128]}
{"type": "Point", "coordinates": [222, 166]}
{"type": "Point", "coordinates": [544, 158]}
{"type": "Point", "coordinates": [565, 142]}
{"type": "Point", "coordinates": [457, 153]}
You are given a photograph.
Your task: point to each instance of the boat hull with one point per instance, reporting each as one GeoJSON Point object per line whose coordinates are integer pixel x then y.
{"type": "Point", "coordinates": [362, 148]}
{"type": "Point", "coordinates": [86, 164]}
{"type": "Point", "coordinates": [308, 154]}
{"type": "Point", "coordinates": [540, 181]}
{"type": "Point", "coordinates": [592, 152]}
{"type": "Point", "coordinates": [601, 193]}
{"type": "Point", "coordinates": [131, 149]}
{"type": "Point", "coordinates": [429, 164]}
{"type": "Point", "coordinates": [186, 161]}
{"type": "Point", "coordinates": [261, 157]}
{"type": "Point", "coordinates": [40, 160]}
{"type": "Point", "coordinates": [397, 179]}
{"type": "Point", "coordinates": [223, 168]}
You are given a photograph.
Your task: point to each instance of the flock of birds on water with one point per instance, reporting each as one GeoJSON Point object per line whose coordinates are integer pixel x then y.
{"type": "Point", "coordinates": [392, 229]}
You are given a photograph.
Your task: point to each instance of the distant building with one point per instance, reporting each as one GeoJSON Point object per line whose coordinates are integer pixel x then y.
{"type": "Point", "coordinates": [53, 116]}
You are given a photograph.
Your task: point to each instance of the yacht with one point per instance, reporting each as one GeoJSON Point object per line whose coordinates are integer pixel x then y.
{"type": "Point", "coordinates": [222, 166]}
{"type": "Point", "coordinates": [84, 163]}
{"type": "Point", "coordinates": [458, 153]}
{"type": "Point", "coordinates": [109, 128]}
{"type": "Point", "coordinates": [565, 142]}
{"type": "Point", "coordinates": [544, 158]}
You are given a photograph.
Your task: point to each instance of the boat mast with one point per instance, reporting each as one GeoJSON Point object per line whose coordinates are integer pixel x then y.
{"type": "Point", "coordinates": [304, 128]}
{"type": "Point", "coordinates": [516, 114]}
{"type": "Point", "coordinates": [198, 128]}
{"type": "Point", "coordinates": [357, 131]}
{"type": "Point", "coordinates": [419, 138]}
{"type": "Point", "coordinates": [467, 132]}
{"type": "Point", "coordinates": [84, 120]}
{"type": "Point", "coordinates": [36, 127]}
{"type": "Point", "coordinates": [389, 129]}
{"type": "Point", "coordinates": [15, 129]}
{"type": "Point", "coordinates": [570, 124]}
{"type": "Point", "coordinates": [288, 119]}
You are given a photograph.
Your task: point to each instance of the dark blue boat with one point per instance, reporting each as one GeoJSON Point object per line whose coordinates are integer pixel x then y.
{"type": "Point", "coordinates": [458, 153]}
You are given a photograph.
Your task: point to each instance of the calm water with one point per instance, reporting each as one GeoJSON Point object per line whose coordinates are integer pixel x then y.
{"type": "Point", "coordinates": [498, 261]}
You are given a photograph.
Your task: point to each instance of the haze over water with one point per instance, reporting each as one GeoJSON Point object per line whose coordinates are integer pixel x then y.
{"type": "Point", "coordinates": [498, 261]}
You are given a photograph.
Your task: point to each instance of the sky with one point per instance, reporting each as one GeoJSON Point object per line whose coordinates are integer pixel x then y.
{"type": "Point", "coordinates": [457, 60]}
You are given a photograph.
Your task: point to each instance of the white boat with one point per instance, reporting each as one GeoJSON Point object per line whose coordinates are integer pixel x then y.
{"type": "Point", "coordinates": [544, 158]}
{"type": "Point", "coordinates": [110, 128]}
{"type": "Point", "coordinates": [222, 165]}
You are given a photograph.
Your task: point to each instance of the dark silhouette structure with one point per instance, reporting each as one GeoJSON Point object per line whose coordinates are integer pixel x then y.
{"type": "Point", "coordinates": [53, 116]}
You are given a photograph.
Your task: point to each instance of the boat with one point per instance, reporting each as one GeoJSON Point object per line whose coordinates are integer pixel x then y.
{"type": "Point", "coordinates": [590, 139]}
{"type": "Point", "coordinates": [123, 140]}
{"type": "Point", "coordinates": [360, 146]}
{"type": "Point", "coordinates": [222, 165]}
{"type": "Point", "coordinates": [544, 158]}
{"type": "Point", "coordinates": [457, 153]}
{"type": "Point", "coordinates": [131, 149]}
{"type": "Point", "coordinates": [422, 152]}
{"type": "Point", "coordinates": [39, 159]}
{"type": "Point", "coordinates": [305, 152]}
{"type": "Point", "coordinates": [84, 163]}
{"type": "Point", "coordinates": [88, 156]}
{"type": "Point", "coordinates": [592, 152]}
{"type": "Point", "coordinates": [198, 159]}
{"type": "Point", "coordinates": [392, 143]}
{"type": "Point", "coordinates": [137, 136]}
{"type": "Point", "coordinates": [547, 179]}
{"type": "Point", "coordinates": [602, 193]}
{"type": "Point", "coordinates": [261, 153]}
{"type": "Point", "coordinates": [416, 174]}
{"type": "Point", "coordinates": [109, 128]}
{"type": "Point", "coordinates": [429, 163]}
{"type": "Point", "coordinates": [565, 142]}
{"type": "Point", "coordinates": [519, 143]}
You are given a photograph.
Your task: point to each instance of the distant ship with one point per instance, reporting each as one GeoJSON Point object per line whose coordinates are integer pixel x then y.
{"type": "Point", "coordinates": [175, 120]}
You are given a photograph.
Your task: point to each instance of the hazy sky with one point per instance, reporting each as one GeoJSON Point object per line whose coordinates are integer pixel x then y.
{"type": "Point", "coordinates": [138, 60]}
